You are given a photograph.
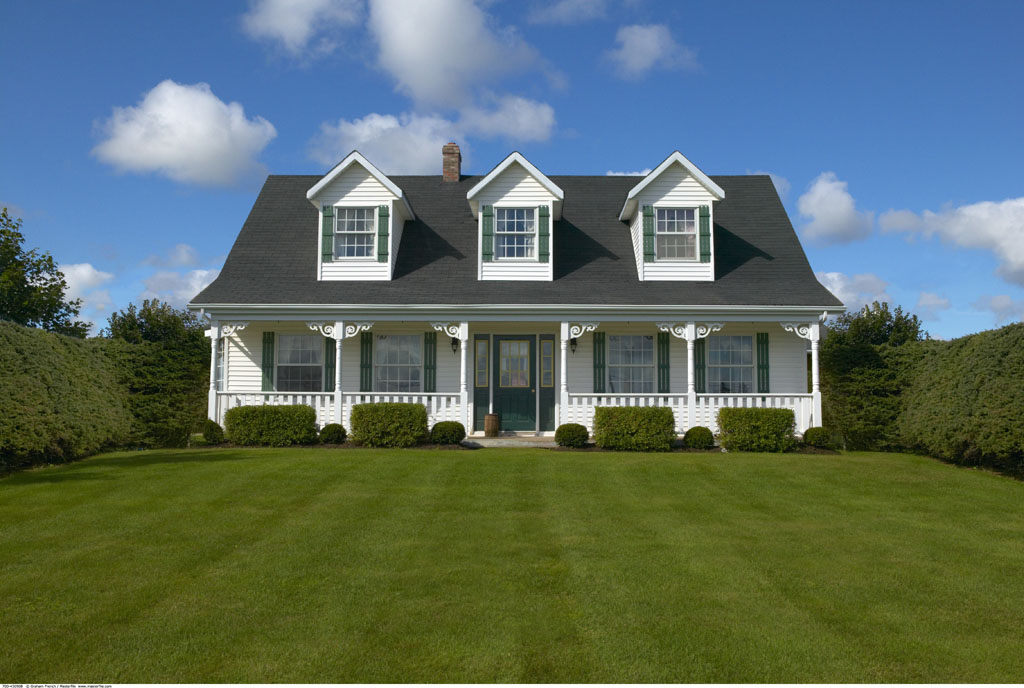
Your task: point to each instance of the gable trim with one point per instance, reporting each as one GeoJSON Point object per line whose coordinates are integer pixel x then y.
{"type": "Point", "coordinates": [676, 157]}
{"type": "Point", "coordinates": [355, 157]}
{"type": "Point", "coordinates": [517, 157]}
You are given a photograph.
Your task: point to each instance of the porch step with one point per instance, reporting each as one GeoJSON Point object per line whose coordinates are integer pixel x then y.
{"type": "Point", "coordinates": [531, 441]}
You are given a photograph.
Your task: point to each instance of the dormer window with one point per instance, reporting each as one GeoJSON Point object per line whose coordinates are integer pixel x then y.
{"type": "Point", "coordinates": [676, 234]}
{"type": "Point", "coordinates": [354, 233]}
{"type": "Point", "coordinates": [515, 233]}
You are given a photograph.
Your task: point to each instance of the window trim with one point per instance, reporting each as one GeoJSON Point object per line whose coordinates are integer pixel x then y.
{"type": "Point", "coordinates": [653, 366]}
{"type": "Point", "coordinates": [535, 234]}
{"type": "Point", "coordinates": [372, 258]}
{"type": "Point", "coordinates": [277, 363]}
{"type": "Point", "coordinates": [377, 364]}
{"type": "Point", "coordinates": [752, 367]}
{"type": "Point", "coordinates": [695, 235]}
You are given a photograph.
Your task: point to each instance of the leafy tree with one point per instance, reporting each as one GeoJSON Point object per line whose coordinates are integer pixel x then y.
{"type": "Point", "coordinates": [32, 288]}
{"type": "Point", "coordinates": [876, 325]}
{"type": "Point", "coordinates": [155, 321]}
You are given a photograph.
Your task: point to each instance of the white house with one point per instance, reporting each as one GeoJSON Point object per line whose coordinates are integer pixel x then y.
{"type": "Point", "coordinates": [533, 297]}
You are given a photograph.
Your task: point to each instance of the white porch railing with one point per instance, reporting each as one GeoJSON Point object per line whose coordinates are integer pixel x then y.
{"type": "Point", "coordinates": [581, 406]}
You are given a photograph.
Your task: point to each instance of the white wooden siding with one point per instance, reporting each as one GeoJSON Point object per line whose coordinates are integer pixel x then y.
{"type": "Point", "coordinates": [516, 188]}
{"type": "Point", "coordinates": [673, 188]}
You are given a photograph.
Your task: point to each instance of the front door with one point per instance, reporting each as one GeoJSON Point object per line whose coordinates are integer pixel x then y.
{"type": "Point", "coordinates": [515, 386]}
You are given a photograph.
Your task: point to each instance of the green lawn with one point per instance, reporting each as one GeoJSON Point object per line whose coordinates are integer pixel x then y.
{"type": "Point", "coordinates": [308, 565]}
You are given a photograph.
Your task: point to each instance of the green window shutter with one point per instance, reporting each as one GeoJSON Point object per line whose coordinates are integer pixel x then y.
{"type": "Point", "coordinates": [648, 234]}
{"type": "Point", "coordinates": [599, 363]}
{"type": "Point", "coordinates": [366, 362]}
{"type": "Point", "coordinates": [700, 373]}
{"type": "Point", "coordinates": [382, 234]}
{"type": "Point", "coordinates": [430, 362]}
{"type": "Point", "coordinates": [327, 242]}
{"type": "Point", "coordinates": [663, 369]}
{"type": "Point", "coordinates": [329, 363]}
{"type": "Point", "coordinates": [705, 234]}
{"type": "Point", "coordinates": [487, 250]}
{"type": "Point", "coordinates": [543, 233]}
{"type": "Point", "coordinates": [763, 379]}
{"type": "Point", "coordinates": [268, 362]}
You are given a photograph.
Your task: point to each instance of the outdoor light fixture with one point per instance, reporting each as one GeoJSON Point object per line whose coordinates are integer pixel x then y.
{"type": "Point", "coordinates": [572, 344]}
{"type": "Point", "coordinates": [455, 345]}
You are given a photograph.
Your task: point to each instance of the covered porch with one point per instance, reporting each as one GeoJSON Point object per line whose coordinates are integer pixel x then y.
{"type": "Point", "coordinates": [535, 375]}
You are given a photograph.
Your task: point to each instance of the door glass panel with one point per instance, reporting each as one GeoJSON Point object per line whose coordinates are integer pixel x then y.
{"type": "Point", "coordinates": [547, 363]}
{"type": "Point", "coordinates": [515, 363]}
{"type": "Point", "coordinates": [481, 363]}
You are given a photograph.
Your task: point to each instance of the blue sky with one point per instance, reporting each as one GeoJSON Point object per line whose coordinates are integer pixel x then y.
{"type": "Point", "coordinates": [134, 136]}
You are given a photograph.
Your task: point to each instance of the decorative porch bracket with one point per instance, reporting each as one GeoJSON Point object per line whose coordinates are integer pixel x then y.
{"type": "Point", "coordinates": [338, 331]}
{"type": "Point", "coordinates": [459, 331]}
{"type": "Point", "coordinates": [227, 329]}
{"type": "Point", "coordinates": [580, 328]}
{"type": "Point", "coordinates": [812, 332]}
{"type": "Point", "coordinates": [691, 332]}
{"type": "Point", "coordinates": [569, 330]}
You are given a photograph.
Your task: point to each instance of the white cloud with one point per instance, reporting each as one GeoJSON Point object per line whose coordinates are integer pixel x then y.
{"type": "Point", "coordinates": [567, 12]}
{"type": "Point", "coordinates": [855, 291]}
{"type": "Point", "coordinates": [639, 173]}
{"type": "Point", "coordinates": [642, 48]}
{"type": "Point", "coordinates": [407, 144]}
{"type": "Point", "coordinates": [995, 226]}
{"type": "Point", "coordinates": [439, 51]}
{"type": "Point", "coordinates": [512, 117]}
{"type": "Point", "coordinates": [782, 184]}
{"type": "Point", "coordinates": [83, 281]}
{"type": "Point", "coordinates": [1003, 307]}
{"type": "Point", "coordinates": [177, 288]}
{"type": "Point", "coordinates": [186, 133]}
{"type": "Point", "coordinates": [294, 24]}
{"type": "Point", "coordinates": [182, 255]}
{"type": "Point", "coordinates": [929, 305]}
{"type": "Point", "coordinates": [834, 216]}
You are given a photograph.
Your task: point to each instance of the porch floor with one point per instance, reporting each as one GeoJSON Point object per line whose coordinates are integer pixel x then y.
{"type": "Point", "coordinates": [532, 441]}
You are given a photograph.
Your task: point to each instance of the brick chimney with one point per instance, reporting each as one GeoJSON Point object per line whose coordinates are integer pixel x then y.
{"type": "Point", "coordinates": [451, 162]}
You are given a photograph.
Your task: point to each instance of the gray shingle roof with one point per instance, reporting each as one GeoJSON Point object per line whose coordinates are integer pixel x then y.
{"type": "Point", "coordinates": [759, 260]}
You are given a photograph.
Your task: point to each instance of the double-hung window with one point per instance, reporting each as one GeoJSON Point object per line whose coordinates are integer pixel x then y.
{"type": "Point", "coordinates": [515, 233]}
{"type": "Point", "coordinates": [354, 232]}
{"type": "Point", "coordinates": [730, 367]}
{"type": "Point", "coordinates": [398, 361]}
{"type": "Point", "coordinates": [300, 361]}
{"type": "Point", "coordinates": [219, 382]}
{"type": "Point", "coordinates": [675, 234]}
{"type": "Point", "coordinates": [631, 364]}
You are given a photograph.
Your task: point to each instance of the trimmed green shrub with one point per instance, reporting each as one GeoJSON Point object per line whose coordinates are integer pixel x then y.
{"type": "Point", "coordinates": [817, 437]}
{"type": "Point", "coordinates": [634, 428]}
{"type": "Point", "coordinates": [388, 424]}
{"type": "Point", "coordinates": [213, 433]}
{"type": "Point", "coordinates": [447, 432]}
{"type": "Point", "coordinates": [59, 398]}
{"type": "Point", "coordinates": [333, 433]}
{"type": "Point", "coordinates": [571, 435]}
{"type": "Point", "coordinates": [756, 429]}
{"type": "Point", "coordinates": [699, 437]}
{"type": "Point", "coordinates": [271, 426]}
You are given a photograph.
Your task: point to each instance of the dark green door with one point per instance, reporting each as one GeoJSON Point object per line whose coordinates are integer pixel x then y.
{"type": "Point", "coordinates": [515, 386]}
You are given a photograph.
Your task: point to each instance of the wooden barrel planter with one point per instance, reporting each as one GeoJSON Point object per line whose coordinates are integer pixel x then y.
{"type": "Point", "coordinates": [491, 425]}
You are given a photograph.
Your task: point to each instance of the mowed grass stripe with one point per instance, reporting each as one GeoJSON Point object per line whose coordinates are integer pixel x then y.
{"type": "Point", "coordinates": [308, 565]}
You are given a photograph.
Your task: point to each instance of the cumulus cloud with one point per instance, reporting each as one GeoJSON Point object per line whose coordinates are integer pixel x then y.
{"type": "Point", "coordinates": [300, 26]}
{"type": "Point", "coordinates": [857, 290]}
{"type": "Point", "coordinates": [406, 144]}
{"type": "Point", "coordinates": [177, 288]}
{"type": "Point", "coordinates": [834, 215]}
{"type": "Point", "coordinates": [83, 281]}
{"type": "Point", "coordinates": [567, 12]}
{"type": "Point", "coordinates": [1004, 308]}
{"type": "Point", "coordinates": [439, 51]}
{"type": "Point", "coordinates": [994, 226]}
{"type": "Point", "coordinates": [929, 305]}
{"type": "Point", "coordinates": [638, 173]}
{"type": "Point", "coordinates": [513, 117]}
{"type": "Point", "coordinates": [641, 48]}
{"type": "Point", "coordinates": [182, 255]}
{"type": "Point", "coordinates": [782, 184]}
{"type": "Point", "coordinates": [186, 133]}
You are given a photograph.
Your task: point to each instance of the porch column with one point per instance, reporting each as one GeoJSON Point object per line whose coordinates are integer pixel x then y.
{"type": "Point", "coordinates": [691, 384]}
{"type": "Point", "coordinates": [563, 397]}
{"type": "Point", "coordinates": [463, 389]}
{"type": "Point", "coordinates": [211, 402]}
{"type": "Point", "coordinates": [339, 326]}
{"type": "Point", "coordinates": [815, 387]}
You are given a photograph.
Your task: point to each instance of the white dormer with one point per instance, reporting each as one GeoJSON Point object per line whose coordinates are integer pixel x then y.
{"type": "Point", "coordinates": [361, 217]}
{"type": "Point", "coordinates": [671, 221]}
{"type": "Point", "coordinates": [516, 207]}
